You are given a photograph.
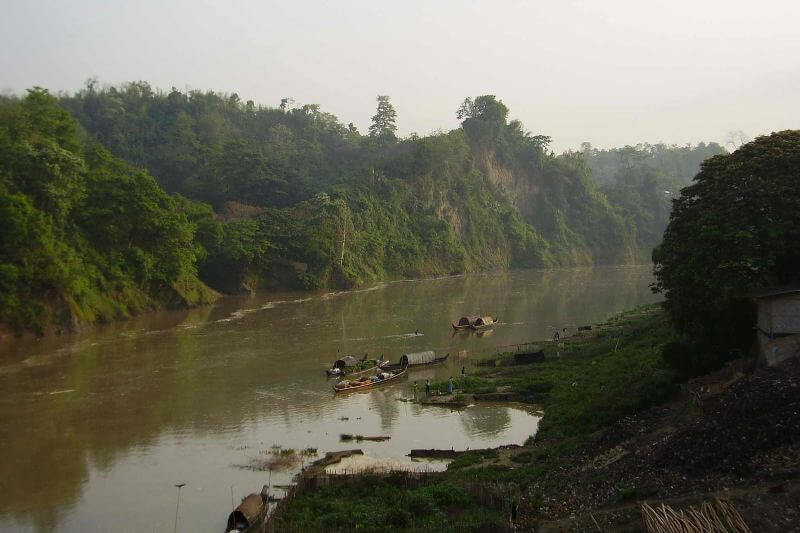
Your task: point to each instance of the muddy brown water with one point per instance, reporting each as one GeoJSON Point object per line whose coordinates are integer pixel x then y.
{"type": "Point", "coordinates": [97, 428]}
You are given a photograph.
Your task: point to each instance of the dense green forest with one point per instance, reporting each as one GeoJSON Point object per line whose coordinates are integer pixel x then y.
{"type": "Point", "coordinates": [732, 233]}
{"type": "Point", "coordinates": [643, 180]}
{"type": "Point", "coordinates": [85, 235]}
{"type": "Point", "coordinates": [120, 198]}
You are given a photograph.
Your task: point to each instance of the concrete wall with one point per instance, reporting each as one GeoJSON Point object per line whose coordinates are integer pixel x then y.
{"type": "Point", "coordinates": [779, 314]}
{"type": "Point", "coordinates": [778, 349]}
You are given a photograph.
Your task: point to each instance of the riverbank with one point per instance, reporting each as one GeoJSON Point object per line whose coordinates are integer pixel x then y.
{"type": "Point", "coordinates": [618, 430]}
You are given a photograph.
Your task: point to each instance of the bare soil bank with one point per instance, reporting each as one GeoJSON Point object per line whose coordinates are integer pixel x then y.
{"type": "Point", "coordinates": [741, 444]}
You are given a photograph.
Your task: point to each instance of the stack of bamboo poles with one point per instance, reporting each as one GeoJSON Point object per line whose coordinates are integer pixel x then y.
{"type": "Point", "coordinates": [718, 517]}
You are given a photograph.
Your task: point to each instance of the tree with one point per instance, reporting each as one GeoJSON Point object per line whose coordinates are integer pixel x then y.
{"type": "Point", "coordinates": [483, 118]}
{"type": "Point", "coordinates": [383, 127]}
{"type": "Point", "coordinates": [734, 231]}
{"type": "Point", "coordinates": [287, 103]}
{"type": "Point", "coordinates": [736, 139]}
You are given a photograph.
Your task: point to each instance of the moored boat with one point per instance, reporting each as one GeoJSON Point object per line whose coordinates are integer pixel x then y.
{"type": "Point", "coordinates": [421, 358]}
{"type": "Point", "coordinates": [249, 515]}
{"type": "Point", "coordinates": [474, 322]}
{"type": "Point", "coordinates": [409, 360]}
{"type": "Point", "coordinates": [465, 322]}
{"type": "Point", "coordinates": [483, 322]}
{"type": "Point", "coordinates": [385, 376]}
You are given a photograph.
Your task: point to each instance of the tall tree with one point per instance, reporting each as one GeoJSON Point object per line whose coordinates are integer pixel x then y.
{"type": "Point", "coordinates": [383, 127]}
{"type": "Point", "coordinates": [735, 230]}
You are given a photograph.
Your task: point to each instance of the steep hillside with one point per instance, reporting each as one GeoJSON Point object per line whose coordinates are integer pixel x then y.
{"type": "Point", "coordinates": [476, 180]}
{"type": "Point", "coordinates": [247, 196]}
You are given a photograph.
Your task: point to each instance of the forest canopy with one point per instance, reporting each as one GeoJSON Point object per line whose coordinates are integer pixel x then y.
{"type": "Point", "coordinates": [121, 198]}
{"type": "Point", "coordinates": [733, 232]}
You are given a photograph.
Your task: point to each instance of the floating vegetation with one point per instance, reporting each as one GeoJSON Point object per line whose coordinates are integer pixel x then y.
{"type": "Point", "coordinates": [346, 437]}
{"type": "Point", "coordinates": [278, 458]}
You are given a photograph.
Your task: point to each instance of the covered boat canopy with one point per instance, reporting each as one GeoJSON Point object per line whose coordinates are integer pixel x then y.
{"type": "Point", "coordinates": [347, 360]}
{"type": "Point", "coordinates": [418, 358]}
{"type": "Point", "coordinates": [247, 513]}
{"type": "Point", "coordinates": [467, 320]}
{"type": "Point", "coordinates": [483, 321]}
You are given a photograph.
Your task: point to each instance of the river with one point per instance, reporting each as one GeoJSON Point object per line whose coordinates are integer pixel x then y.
{"type": "Point", "coordinates": [97, 428]}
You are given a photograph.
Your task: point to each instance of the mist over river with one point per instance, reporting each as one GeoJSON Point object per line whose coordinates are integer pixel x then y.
{"type": "Point", "coordinates": [96, 428]}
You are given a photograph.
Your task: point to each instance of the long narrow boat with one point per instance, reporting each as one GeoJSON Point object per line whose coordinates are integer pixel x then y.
{"type": "Point", "coordinates": [367, 383]}
{"type": "Point", "coordinates": [412, 360]}
{"type": "Point", "coordinates": [421, 358]}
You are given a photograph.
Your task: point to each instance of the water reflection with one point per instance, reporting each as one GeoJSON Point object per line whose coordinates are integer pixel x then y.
{"type": "Point", "coordinates": [97, 427]}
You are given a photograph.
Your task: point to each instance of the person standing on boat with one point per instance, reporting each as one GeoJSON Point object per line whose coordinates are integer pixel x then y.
{"type": "Point", "coordinates": [427, 387]}
{"type": "Point", "coordinates": [450, 386]}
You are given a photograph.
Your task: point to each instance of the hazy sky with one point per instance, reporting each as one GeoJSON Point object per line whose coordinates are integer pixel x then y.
{"type": "Point", "coordinates": [611, 72]}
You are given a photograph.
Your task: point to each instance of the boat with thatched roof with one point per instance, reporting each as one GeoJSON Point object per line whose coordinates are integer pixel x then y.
{"type": "Point", "coordinates": [474, 322]}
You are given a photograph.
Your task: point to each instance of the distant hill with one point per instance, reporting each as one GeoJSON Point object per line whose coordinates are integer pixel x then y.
{"type": "Point", "coordinates": [245, 196]}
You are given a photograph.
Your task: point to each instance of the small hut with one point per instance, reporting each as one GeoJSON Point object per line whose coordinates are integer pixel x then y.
{"type": "Point", "coordinates": [779, 324]}
{"type": "Point", "coordinates": [418, 358]}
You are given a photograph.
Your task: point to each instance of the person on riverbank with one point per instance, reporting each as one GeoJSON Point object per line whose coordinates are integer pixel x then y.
{"type": "Point", "coordinates": [415, 390]}
{"type": "Point", "coordinates": [427, 387]}
{"type": "Point", "coordinates": [450, 385]}
{"type": "Point", "coordinates": [463, 371]}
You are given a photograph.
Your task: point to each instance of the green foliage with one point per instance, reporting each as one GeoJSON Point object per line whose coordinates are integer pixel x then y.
{"type": "Point", "coordinates": [734, 231]}
{"type": "Point", "coordinates": [421, 195]}
{"type": "Point", "coordinates": [642, 180]}
{"type": "Point", "coordinates": [85, 235]}
{"type": "Point", "coordinates": [592, 384]}
{"type": "Point", "coordinates": [678, 164]}
{"type": "Point", "coordinates": [472, 458]}
{"type": "Point", "coordinates": [374, 503]}
{"type": "Point", "coordinates": [283, 197]}
{"type": "Point", "coordinates": [595, 382]}
{"type": "Point", "coordinates": [383, 128]}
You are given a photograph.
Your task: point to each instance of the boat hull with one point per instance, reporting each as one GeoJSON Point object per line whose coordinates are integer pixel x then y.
{"type": "Point", "coordinates": [366, 385]}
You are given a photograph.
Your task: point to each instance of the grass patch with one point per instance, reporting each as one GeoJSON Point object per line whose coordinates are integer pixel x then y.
{"type": "Point", "coordinates": [472, 458]}
{"type": "Point", "coordinates": [374, 503]}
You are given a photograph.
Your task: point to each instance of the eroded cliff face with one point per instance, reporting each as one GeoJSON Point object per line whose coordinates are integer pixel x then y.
{"type": "Point", "coordinates": [517, 186]}
{"type": "Point", "coordinates": [575, 219]}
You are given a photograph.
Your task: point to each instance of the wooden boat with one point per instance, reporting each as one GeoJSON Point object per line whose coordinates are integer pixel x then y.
{"type": "Point", "coordinates": [465, 322]}
{"type": "Point", "coordinates": [483, 322]}
{"type": "Point", "coordinates": [409, 360]}
{"type": "Point", "coordinates": [386, 376]}
{"type": "Point", "coordinates": [250, 514]}
{"type": "Point", "coordinates": [421, 358]}
{"type": "Point", "coordinates": [474, 322]}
